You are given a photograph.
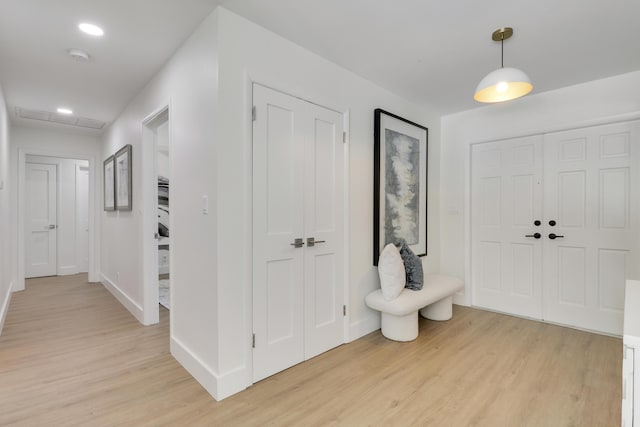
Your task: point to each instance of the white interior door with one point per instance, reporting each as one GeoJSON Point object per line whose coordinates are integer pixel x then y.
{"type": "Point", "coordinates": [591, 192]}
{"type": "Point", "coordinates": [41, 221]}
{"type": "Point", "coordinates": [297, 195]}
{"type": "Point", "coordinates": [506, 242]}
{"type": "Point", "coordinates": [324, 224]}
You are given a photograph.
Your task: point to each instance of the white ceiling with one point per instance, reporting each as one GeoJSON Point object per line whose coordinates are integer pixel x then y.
{"type": "Point", "coordinates": [432, 52]}
{"type": "Point", "coordinates": [140, 35]}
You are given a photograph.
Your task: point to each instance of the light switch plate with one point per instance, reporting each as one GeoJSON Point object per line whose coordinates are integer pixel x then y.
{"type": "Point", "coordinates": [205, 205]}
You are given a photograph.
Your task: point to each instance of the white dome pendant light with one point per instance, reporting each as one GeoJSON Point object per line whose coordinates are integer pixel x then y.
{"type": "Point", "coordinates": [503, 84]}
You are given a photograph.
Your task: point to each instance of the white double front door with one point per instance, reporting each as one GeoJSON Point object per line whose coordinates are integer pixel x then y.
{"type": "Point", "coordinates": [555, 225]}
{"type": "Point", "coordinates": [298, 231]}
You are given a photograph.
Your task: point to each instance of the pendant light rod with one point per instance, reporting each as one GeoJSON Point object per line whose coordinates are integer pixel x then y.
{"type": "Point", "coordinates": [500, 35]}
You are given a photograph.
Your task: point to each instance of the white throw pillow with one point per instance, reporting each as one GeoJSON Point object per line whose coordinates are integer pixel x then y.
{"type": "Point", "coordinates": [391, 271]}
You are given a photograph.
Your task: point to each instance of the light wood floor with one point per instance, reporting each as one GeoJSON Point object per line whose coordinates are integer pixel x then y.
{"type": "Point", "coordinates": [70, 354]}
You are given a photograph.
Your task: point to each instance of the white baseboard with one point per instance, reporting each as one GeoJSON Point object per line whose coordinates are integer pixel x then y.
{"type": "Point", "coordinates": [5, 306]}
{"type": "Point", "coordinates": [232, 382]}
{"type": "Point", "coordinates": [67, 270]}
{"type": "Point", "coordinates": [218, 386]}
{"type": "Point", "coordinates": [460, 298]}
{"type": "Point", "coordinates": [133, 307]}
{"type": "Point", "coordinates": [196, 367]}
{"type": "Point", "coordinates": [364, 327]}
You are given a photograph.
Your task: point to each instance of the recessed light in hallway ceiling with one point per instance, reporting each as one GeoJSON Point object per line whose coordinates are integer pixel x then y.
{"type": "Point", "coordinates": [63, 110]}
{"type": "Point", "coordinates": [91, 29]}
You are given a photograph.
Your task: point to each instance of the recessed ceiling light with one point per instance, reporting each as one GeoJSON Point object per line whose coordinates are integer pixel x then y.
{"type": "Point", "coordinates": [63, 110]}
{"type": "Point", "coordinates": [94, 30]}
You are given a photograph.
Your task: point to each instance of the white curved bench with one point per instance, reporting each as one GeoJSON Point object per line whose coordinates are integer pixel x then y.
{"type": "Point", "coordinates": [400, 316]}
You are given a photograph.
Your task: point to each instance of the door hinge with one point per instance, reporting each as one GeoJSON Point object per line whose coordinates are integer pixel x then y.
{"type": "Point", "coordinates": [253, 113]}
{"type": "Point", "coordinates": [344, 137]}
{"type": "Point", "coordinates": [344, 310]}
{"type": "Point", "coordinates": [254, 341]}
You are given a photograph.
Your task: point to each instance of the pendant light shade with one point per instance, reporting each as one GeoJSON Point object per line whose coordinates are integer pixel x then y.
{"type": "Point", "coordinates": [503, 84]}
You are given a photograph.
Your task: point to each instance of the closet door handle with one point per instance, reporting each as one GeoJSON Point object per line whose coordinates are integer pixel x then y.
{"type": "Point", "coordinates": [311, 241]}
{"type": "Point", "coordinates": [297, 243]}
{"type": "Point", "coordinates": [553, 236]}
{"type": "Point", "coordinates": [535, 235]}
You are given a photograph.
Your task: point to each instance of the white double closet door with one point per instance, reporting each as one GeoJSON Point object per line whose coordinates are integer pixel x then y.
{"type": "Point", "coordinates": [579, 186]}
{"type": "Point", "coordinates": [298, 197]}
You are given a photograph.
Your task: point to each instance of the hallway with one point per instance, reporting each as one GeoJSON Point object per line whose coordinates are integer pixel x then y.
{"type": "Point", "coordinates": [70, 354]}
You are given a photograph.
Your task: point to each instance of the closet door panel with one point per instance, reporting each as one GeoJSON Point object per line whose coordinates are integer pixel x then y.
{"type": "Point", "coordinates": [324, 219]}
{"type": "Point", "coordinates": [591, 191]}
{"type": "Point", "coordinates": [506, 200]}
{"type": "Point", "coordinates": [277, 221]}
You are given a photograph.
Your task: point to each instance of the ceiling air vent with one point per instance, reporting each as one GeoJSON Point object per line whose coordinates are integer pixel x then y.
{"type": "Point", "coordinates": [48, 116]}
{"type": "Point", "coordinates": [33, 114]}
{"type": "Point", "coordinates": [90, 123]}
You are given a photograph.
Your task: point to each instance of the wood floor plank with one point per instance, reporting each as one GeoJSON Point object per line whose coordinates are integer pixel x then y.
{"type": "Point", "coordinates": [71, 355]}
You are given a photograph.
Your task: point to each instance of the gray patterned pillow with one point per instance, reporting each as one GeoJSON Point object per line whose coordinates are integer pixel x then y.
{"type": "Point", "coordinates": [413, 268]}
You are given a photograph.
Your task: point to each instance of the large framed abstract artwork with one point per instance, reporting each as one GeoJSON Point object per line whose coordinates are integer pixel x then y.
{"type": "Point", "coordinates": [400, 183]}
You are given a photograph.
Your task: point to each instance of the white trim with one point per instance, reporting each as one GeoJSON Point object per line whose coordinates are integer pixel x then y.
{"type": "Point", "coordinates": [19, 284]}
{"type": "Point", "coordinates": [364, 326]}
{"type": "Point", "coordinates": [149, 227]}
{"type": "Point", "coordinates": [67, 270]}
{"type": "Point", "coordinates": [231, 382]}
{"type": "Point", "coordinates": [346, 269]}
{"type": "Point", "coordinates": [133, 307]}
{"type": "Point", "coordinates": [467, 298]}
{"type": "Point", "coordinates": [248, 262]}
{"type": "Point", "coordinates": [218, 386]}
{"type": "Point", "coordinates": [5, 306]}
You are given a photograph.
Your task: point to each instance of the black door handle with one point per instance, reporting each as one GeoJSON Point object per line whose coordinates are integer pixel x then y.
{"type": "Point", "coordinates": [535, 235]}
{"type": "Point", "coordinates": [554, 236]}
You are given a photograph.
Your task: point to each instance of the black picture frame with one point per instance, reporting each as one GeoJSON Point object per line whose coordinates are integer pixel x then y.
{"type": "Point", "coordinates": [400, 183]}
{"type": "Point", "coordinates": [123, 175]}
{"type": "Point", "coordinates": [108, 181]}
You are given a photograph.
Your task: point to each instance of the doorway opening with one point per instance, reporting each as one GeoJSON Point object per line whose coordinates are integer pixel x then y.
{"type": "Point", "coordinates": [157, 224]}
{"type": "Point", "coordinates": [55, 216]}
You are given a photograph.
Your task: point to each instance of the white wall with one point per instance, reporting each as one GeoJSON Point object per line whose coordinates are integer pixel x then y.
{"type": "Point", "coordinates": [56, 143]}
{"type": "Point", "coordinates": [249, 52]}
{"type": "Point", "coordinates": [162, 142]}
{"type": "Point", "coordinates": [5, 214]}
{"type": "Point", "coordinates": [187, 83]}
{"type": "Point", "coordinates": [590, 103]}
{"type": "Point", "coordinates": [68, 240]}
{"type": "Point", "coordinates": [210, 135]}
